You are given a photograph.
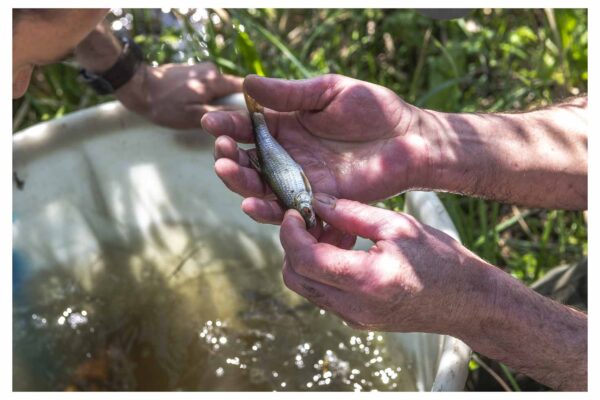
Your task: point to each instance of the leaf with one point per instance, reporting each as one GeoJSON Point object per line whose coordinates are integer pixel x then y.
{"type": "Point", "coordinates": [249, 53]}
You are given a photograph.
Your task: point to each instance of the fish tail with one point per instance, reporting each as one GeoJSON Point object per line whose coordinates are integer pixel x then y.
{"type": "Point", "coordinates": [252, 105]}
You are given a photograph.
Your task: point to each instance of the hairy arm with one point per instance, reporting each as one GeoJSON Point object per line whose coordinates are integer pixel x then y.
{"type": "Point", "coordinates": [527, 331]}
{"type": "Point", "coordinates": [536, 159]}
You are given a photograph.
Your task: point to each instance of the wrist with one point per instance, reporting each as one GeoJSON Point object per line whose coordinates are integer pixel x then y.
{"type": "Point", "coordinates": [472, 299]}
{"type": "Point", "coordinates": [484, 304]}
{"type": "Point", "coordinates": [436, 131]}
{"type": "Point", "coordinates": [134, 94]}
{"type": "Point", "coordinates": [407, 152]}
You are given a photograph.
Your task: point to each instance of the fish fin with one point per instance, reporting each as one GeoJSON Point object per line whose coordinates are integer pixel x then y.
{"type": "Point", "coordinates": [252, 105]}
{"type": "Point", "coordinates": [254, 161]}
{"type": "Point", "coordinates": [306, 182]}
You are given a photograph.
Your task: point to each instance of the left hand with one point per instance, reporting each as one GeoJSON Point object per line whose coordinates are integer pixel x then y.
{"type": "Point", "coordinates": [353, 139]}
{"type": "Point", "coordinates": [414, 279]}
{"type": "Point", "coordinates": [177, 96]}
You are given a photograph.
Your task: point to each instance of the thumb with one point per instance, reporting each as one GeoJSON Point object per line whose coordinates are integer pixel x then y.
{"type": "Point", "coordinates": [292, 95]}
{"type": "Point", "coordinates": [363, 220]}
{"type": "Point", "coordinates": [293, 234]}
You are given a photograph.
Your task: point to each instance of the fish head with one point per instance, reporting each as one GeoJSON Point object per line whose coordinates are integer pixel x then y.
{"type": "Point", "coordinates": [303, 203]}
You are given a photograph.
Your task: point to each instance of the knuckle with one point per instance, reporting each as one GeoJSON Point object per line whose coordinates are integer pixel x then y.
{"type": "Point", "coordinates": [228, 124]}
{"type": "Point", "coordinates": [206, 68]}
{"type": "Point", "coordinates": [402, 225]}
{"type": "Point", "coordinates": [331, 79]}
{"type": "Point", "coordinates": [409, 219]}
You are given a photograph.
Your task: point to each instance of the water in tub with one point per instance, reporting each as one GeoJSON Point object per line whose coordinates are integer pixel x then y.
{"type": "Point", "coordinates": [213, 315]}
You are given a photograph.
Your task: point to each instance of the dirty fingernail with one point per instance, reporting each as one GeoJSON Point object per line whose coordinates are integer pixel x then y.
{"type": "Point", "coordinates": [213, 120]}
{"type": "Point", "coordinates": [325, 199]}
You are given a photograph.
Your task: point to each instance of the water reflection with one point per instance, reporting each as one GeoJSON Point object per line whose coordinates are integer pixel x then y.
{"type": "Point", "coordinates": [220, 325]}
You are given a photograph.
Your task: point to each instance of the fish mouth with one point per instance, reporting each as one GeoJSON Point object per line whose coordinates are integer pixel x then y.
{"type": "Point", "coordinates": [309, 217]}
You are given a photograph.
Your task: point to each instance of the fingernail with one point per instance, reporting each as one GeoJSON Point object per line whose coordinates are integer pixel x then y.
{"type": "Point", "coordinates": [325, 199]}
{"type": "Point", "coordinates": [210, 121]}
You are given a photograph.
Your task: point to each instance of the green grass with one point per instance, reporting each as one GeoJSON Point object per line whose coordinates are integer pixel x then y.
{"type": "Point", "coordinates": [492, 60]}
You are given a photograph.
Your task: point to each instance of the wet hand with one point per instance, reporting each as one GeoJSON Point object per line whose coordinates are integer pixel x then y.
{"type": "Point", "coordinates": [353, 139]}
{"type": "Point", "coordinates": [414, 278]}
{"type": "Point", "coordinates": [177, 96]}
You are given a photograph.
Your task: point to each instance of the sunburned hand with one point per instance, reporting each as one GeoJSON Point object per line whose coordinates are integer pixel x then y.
{"type": "Point", "coordinates": [353, 139]}
{"type": "Point", "coordinates": [177, 96]}
{"type": "Point", "coordinates": [417, 279]}
{"type": "Point", "coordinates": [414, 278]}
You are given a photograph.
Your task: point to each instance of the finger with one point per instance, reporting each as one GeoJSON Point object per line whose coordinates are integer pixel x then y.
{"type": "Point", "coordinates": [196, 111]}
{"type": "Point", "coordinates": [226, 84]}
{"type": "Point", "coordinates": [322, 295]}
{"type": "Point", "coordinates": [234, 124]}
{"type": "Point", "coordinates": [206, 77]}
{"type": "Point", "coordinates": [263, 211]}
{"type": "Point", "coordinates": [293, 234]}
{"type": "Point", "coordinates": [293, 95]}
{"type": "Point", "coordinates": [322, 262]}
{"type": "Point", "coordinates": [339, 302]}
{"type": "Point", "coordinates": [241, 180]}
{"type": "Point", "coordinates": [269, 210]}
{"type": "Point", "coordinates": [363, 220]}
{"type": "Point", "coordinates": [335, 237]}
{"type": "Point", "coordinates": [226, 147]}
{"type": "Point", "coordinates": [191, 116]}
{"type": "Point", "coordinates": [187, 117]}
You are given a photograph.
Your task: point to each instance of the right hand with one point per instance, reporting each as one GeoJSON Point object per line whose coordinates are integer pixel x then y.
{"type": "Point", "coordinates": [177, 95]}
{"type": "Point", "coordinates": [354, 140]}
{"type": "Point", "coordinates": [413, 279]}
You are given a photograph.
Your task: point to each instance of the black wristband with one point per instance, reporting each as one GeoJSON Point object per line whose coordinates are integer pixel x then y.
{"type": "Point", "coordinates": [120, 73]}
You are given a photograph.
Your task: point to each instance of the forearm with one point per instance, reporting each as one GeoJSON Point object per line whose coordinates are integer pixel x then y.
{"type": "Point", "coordinates": [527, 331]}
{"type": "Point", "coordinates": [536, 159]}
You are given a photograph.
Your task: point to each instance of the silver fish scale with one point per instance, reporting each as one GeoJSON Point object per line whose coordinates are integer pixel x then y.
{"type": "Point", "coordinates": [281, 171]}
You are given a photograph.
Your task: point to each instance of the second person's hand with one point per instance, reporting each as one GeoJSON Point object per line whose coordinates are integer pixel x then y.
{"type": "Point", "coordinates": [177, 95]}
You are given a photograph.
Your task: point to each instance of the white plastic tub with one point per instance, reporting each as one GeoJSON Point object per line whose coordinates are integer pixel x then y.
{"type": "Point", "coordinates": [103, 182]}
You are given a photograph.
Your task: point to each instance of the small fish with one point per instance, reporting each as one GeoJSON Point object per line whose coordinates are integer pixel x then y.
{"type": "Point", "coordinates": [281, 172]}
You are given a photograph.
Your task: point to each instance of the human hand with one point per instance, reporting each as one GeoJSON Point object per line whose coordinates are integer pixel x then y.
{"type": "Point", "coordinates": [177, 96]}
{"type": "Point", "coordinates": [414, 278]}
{"type": "Point", "coordinates": [353, 139]}
{"type": "Point", "coordinates": [417, 279]}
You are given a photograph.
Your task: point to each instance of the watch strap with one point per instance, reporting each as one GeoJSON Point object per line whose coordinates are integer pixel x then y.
{"type": "Point", "coordinates": [120, 73]}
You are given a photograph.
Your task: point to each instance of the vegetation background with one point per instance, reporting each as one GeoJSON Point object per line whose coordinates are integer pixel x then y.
{"type": "Point", "coordinates": [491, 60]}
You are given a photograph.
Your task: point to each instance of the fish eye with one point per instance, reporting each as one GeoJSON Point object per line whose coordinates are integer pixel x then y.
{"type": "Point", "coordinates": [307, 210]}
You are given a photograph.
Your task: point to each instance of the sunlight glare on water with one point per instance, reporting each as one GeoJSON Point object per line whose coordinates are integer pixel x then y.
{"type": "Point", "coordinates": [223, 325]}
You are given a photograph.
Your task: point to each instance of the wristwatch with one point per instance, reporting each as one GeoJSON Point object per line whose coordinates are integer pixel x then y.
{"type": "Point", "coordinates": [120, 73]}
